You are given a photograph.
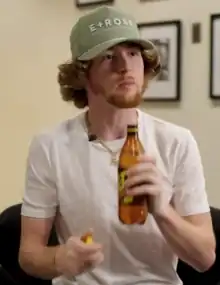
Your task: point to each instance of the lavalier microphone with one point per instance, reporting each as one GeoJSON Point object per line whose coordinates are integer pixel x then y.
{"type": "Point", "coordinates": [92, 137]}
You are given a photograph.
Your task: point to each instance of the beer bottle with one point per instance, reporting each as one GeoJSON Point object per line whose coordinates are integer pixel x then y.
{"type": "Point", "coordinates": [131, 210]}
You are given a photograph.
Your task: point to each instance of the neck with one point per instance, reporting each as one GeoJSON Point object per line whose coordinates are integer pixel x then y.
{"type": "Point", "coordinates": [110, 124]}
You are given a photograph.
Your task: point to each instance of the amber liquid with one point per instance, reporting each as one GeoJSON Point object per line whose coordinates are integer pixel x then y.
{"type": "Point", "coordinates": [131, 210]}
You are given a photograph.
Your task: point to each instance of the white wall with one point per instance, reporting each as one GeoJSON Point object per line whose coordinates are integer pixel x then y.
{"type": "Point", "coordinates": [34, 40]}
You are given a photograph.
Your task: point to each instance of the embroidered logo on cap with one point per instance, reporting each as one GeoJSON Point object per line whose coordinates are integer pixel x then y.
{"type": "Point", "coordinates": [109, 23]}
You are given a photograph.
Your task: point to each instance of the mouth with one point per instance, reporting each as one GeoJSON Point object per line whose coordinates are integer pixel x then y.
{"type": "Point", "coordinates": [127, 82]}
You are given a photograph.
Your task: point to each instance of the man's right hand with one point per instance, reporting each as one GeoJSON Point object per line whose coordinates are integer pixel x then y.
{"type": "Point", "coordinates": [76, 257]}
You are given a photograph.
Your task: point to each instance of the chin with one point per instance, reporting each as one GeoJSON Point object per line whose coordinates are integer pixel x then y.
{"type": "Point", "coordinates": [126, 98]}
{"type": "Point", "coordinates": [125, 104]}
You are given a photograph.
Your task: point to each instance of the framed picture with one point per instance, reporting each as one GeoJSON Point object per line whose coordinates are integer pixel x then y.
{"type": "Point", "coordinates": [215, 56]}
{"type": "Point", "coordinates": [166, 36]}
{"type": "Point", "coordinates": [86, 3]}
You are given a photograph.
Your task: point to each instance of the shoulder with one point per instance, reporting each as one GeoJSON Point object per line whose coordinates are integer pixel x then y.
{"type": "Point", "coordinates": [174, 144]}
{"type": "Point", "coordinates": [167, 133]}
{"type": "Point", "coordinates": [50, 138]}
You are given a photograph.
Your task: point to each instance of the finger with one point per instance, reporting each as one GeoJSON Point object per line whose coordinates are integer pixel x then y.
{"type": "Point", "coordinates": [139, 179]}
{"type": "Point", "coordinates": [95, 259]}
{"type": "Point", "coordinates": [145, 189]}
{"type": "Point", "coordinates": [141, 167]}
{"type": "Point", "coordinates": [147, 158]}
{"type": "Point", "coordinates": [81, 247]}
{"type": "Point", "coordinates": [90, 248]}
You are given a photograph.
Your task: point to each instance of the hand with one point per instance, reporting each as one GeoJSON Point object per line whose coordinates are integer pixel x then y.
{"type": "Point", "coordinates": [144, 178]}
{"type": "Point", "coordinates": [76, 257]}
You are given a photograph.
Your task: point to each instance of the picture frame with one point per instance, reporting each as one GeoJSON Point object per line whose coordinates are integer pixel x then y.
{"type": "Point", "coordinates": [214, 56]}
{"type": "Point", "coordinates": [88, 3]}
{"type": "Point", "coordinates": [166, 35]}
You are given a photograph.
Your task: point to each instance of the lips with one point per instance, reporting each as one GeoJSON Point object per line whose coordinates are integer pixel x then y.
{"type": "Point", "coordinates": [127, 81]}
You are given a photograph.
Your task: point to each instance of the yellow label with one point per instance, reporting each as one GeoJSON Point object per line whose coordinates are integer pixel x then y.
{"type": "Point", "coordinates": [132, 130]}
{"type": "Point", "coordinates": [128, 199]}
{"type": "Point", "coordinates": [121, 182]}
{"type": "Point", "coordinates": [122, 178]}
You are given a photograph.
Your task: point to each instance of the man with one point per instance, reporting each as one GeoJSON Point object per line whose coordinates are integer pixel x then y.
{"type": "Point", "coordinates": [71, 181]}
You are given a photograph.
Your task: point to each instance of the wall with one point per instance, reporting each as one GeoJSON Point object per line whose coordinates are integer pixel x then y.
{"type": "Point", "coordinates": [34, 40]}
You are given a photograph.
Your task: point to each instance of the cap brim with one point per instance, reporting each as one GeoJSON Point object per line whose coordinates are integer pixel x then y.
{"type": "Point", "coordinates": [95, 51]}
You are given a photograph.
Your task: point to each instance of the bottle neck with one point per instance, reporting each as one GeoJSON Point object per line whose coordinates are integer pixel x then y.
{"type": "Point", "coordinates": [132, 131]}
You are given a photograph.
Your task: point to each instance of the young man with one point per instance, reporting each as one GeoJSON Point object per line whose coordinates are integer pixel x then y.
{"type": "Point", "coordinates": [72, 182]}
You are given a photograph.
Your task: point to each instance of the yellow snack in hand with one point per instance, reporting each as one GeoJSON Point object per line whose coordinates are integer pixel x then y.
{"type": "Point", "coordinates": [87, 238]}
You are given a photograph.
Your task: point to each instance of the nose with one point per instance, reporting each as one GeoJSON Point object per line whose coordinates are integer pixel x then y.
{"type": "Point", "coordinates": [122, 63]}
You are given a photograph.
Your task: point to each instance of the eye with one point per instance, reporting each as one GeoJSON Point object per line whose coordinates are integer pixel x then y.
{"type": "Point", "coordinates": [108, 56]}
{"type": "Point", "coordinates": [134, 52]}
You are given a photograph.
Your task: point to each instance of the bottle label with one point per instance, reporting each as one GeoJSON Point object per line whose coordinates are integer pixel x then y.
{"type": "Point", "coordinates": [122, 177]}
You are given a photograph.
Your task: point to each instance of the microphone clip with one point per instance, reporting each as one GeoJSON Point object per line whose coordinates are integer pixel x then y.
{"type": "Point", "coordinates": [92, 137]}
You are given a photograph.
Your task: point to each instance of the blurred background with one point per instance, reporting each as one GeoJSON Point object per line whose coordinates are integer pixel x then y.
{"type": "Point", "coordinates": [34, 39]}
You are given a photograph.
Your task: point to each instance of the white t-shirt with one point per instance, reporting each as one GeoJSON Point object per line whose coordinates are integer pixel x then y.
{"type": "Point", "coordinates": [73, 180]}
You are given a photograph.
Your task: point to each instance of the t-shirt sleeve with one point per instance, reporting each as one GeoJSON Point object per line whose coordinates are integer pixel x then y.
{"type": "Point", "coordinates": [40, 195]}
{"type": "Point", "coordinates": [190, 195]}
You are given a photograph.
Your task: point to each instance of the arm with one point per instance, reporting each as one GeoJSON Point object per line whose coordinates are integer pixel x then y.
{"type": "Point", "coordinates": [35, 257]}
{"type": "Point", "coordinates": [39, 208]}
{"type": "Point", "coordinates": [38, 212]}
{"type": "Point", "coordinates": [191, 237]}
{"type": "Point", "coordinates": [187, 225]}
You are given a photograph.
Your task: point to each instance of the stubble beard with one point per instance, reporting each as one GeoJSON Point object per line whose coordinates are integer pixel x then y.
{"type": "Point", "coordinates": [122, 102]}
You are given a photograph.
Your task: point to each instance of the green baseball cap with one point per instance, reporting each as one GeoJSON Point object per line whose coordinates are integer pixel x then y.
{"type": "Point", "coordinates": [100, 30]}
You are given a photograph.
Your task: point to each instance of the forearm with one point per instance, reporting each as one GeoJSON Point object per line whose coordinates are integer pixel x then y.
{"type": "Point", "coordinates": [40, 262]}
{"type": "Point", "coordinates": [190, 243]}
